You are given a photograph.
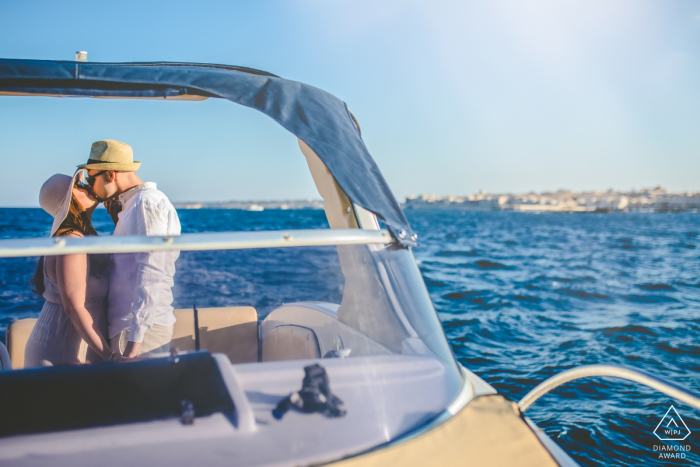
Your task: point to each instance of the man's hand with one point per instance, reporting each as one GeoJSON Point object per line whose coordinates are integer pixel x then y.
{"type": "Point", "coordinates": [113, 207]}
{"type": "Point", "coordinates": [132, 349]}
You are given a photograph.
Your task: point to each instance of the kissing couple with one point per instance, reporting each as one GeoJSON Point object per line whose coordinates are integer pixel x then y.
{"type": "Point", "coordinates": [101, 307]}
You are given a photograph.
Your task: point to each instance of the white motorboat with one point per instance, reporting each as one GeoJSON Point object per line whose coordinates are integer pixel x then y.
{"type": "Point", "coordinates": [367, 380]}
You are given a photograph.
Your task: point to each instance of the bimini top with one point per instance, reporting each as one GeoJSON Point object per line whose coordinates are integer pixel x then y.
{"type": "Point", "coordinates": [316, 117]}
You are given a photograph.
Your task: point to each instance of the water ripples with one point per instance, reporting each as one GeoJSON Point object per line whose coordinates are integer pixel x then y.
{"type": "Point", "coordinates": [523, 297]}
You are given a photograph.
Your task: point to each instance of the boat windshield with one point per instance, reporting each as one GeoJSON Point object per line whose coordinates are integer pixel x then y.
{"type": "Point", "coordinates": [360, 312]}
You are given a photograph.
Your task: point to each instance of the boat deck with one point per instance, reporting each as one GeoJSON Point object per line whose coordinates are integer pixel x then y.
{"type": "Point", "coordinates": [385, 396]}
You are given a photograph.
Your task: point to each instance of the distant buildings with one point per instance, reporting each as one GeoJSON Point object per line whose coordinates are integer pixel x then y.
{"type": "Point", "coordinates": [654, 199]}
{"type": "Point", "coordinates": [254, 205]}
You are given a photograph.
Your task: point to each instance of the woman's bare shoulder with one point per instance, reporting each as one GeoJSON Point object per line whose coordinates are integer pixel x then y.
{"type": "Point", "coordinates": [73, 257]}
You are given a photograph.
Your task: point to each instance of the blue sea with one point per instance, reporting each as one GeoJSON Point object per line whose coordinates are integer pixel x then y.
{"type": "Point", "coordinates": [521, 296]}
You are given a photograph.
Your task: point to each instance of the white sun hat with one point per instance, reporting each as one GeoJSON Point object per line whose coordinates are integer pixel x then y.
{"type": "Point", "coordinates": [55, 196]}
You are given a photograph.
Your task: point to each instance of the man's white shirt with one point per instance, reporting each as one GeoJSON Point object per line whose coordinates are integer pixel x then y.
{"type": "Point", "coordinates": [140, 284]}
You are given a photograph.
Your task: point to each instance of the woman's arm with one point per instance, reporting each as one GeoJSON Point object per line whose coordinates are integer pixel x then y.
{"type": "Point", "coordinates": [72, 272]}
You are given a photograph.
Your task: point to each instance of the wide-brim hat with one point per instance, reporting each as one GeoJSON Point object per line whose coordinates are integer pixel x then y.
{"type": "Point", "coordinates": [111, 155]}
{"type": "Point", "coordinates": [55, 196]}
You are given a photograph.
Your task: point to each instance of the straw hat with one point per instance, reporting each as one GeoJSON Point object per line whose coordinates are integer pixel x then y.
{"type": "Point", "coordinates": [55, 196]}
{"type": "Point", "coordinates": [111, 155]}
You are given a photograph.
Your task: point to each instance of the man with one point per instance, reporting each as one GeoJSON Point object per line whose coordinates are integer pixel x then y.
{"type": "Point", "coordinates": [139, 312]}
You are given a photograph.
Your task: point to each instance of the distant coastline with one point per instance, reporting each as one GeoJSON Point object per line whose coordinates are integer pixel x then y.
{"type": "Point", "coordinates": [657, 199]}
{"type": "Point", "coordinates": [253, 205]}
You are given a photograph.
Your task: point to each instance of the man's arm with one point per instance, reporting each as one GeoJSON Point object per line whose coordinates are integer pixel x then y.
{"type": "Point", "coordinates": [149, 219]}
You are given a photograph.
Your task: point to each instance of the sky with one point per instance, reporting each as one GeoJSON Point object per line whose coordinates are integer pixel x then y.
{"type": "Point", "coordinates": [453, 97]}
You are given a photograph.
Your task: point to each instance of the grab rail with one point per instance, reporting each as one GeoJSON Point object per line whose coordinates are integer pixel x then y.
{"type": "Point", "coordinates": [638, 376]}
{"type": "Point", "coordinates": [11, 248]}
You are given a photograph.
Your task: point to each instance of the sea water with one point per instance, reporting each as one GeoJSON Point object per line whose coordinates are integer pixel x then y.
{"type": "Point", "coordinates": [521, 296]}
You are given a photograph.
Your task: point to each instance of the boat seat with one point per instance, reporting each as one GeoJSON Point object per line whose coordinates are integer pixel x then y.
{"type": "Point", "coordinates": [232, 331]}
{"type": "Point", "coordinates": [16, 338]}
{"type": "Point", "coordinates": [290, 342]}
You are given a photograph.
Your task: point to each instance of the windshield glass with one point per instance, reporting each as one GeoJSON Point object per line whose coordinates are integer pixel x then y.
{"type": "Point", "coordinates": [361, 312]}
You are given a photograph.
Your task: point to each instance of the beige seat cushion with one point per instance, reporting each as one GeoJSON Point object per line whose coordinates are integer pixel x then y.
{"type": "Point", "coordinates": [229, 330]}
{"type": "Point", "coordinates": [290, 343]}
{"type": "Point", "coordinates": [16, 338]}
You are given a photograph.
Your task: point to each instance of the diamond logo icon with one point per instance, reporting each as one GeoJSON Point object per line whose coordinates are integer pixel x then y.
{"type": "Point", "coordinates": [672, 427]}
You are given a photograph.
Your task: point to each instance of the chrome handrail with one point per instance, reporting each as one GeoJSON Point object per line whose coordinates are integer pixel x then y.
{"type": "Point", "coordinates": [12, 248]}
{"type": "Point", "coordinates": [638, 376]}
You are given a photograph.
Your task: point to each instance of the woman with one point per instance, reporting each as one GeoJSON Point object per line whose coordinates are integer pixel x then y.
{"type": "Point", "coordinates": [72, 325]}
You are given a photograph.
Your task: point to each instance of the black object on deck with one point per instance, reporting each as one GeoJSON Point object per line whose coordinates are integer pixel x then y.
{"type": "Point", "coordinates": [314, 397]}
{"type": "Point", "coordinates": [43, 400]}
{"type": "Point", "coordinates": [196, 328]}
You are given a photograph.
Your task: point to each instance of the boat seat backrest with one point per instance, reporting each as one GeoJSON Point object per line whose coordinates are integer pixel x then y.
{"type": "Point", "coordinates": [229, 330]}
{"type": "Point", "coordinates": [290, 342]}
{"type": "Point", "coordinates": [16, 338]}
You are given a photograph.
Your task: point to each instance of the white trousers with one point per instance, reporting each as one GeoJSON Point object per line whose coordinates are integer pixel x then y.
{"type": "Point", "coordinates": [156, 340]}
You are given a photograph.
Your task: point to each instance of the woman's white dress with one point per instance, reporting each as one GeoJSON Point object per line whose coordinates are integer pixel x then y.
{"type": "Point", "coordinates": [54, 340]}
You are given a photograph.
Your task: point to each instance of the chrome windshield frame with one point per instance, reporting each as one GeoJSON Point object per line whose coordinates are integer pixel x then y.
{"type": "Point", "coordinates": [55, 246]}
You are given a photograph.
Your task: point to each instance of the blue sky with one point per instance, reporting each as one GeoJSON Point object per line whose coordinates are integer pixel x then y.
{"type": "Point", "coordinates": [453, 97]}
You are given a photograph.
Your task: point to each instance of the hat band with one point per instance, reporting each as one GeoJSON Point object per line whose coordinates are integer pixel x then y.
{"type": "Point", "coordinates": [95, 161]}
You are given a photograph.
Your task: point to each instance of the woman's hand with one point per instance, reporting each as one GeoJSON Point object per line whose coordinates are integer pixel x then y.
{"type": "Point", "coordinates": [107, 354]}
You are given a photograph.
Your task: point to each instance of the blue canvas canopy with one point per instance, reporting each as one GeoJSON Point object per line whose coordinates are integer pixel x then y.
{"type": "Point", "coordinates": [316, 117]}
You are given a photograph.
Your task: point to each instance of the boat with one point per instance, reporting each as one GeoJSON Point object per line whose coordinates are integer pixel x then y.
{"type": "Point", "coordinates": [367, 380]}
